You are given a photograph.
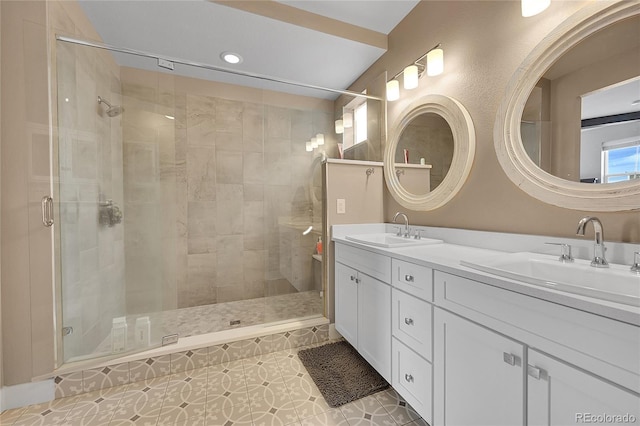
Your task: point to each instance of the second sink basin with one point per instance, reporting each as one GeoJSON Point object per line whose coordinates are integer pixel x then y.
{"type": "Point", "coordinates": [616, 283]}
{"type": "Point", "coordinates": [390, 240]}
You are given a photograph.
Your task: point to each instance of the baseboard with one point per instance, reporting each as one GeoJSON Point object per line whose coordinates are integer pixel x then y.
{"type": "Point", "coordinates": [333, 333]}
{"type": "Point", "coordinates": [26, 394]}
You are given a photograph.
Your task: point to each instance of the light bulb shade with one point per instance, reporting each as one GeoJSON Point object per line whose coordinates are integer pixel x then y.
{"type": "Point", "coordinates": [308, 147]}
{"type": "Point", "coordinates": [314, 143]}
{"type": "Point", "coordinates": [410, 77]}
{"type": "Point", "coordinates": [393, 90]}
{"type": "Point", "coordinates": [533, 7]}
{"type": "Point", "coordinates": [320, 139]}
{"type": "Point", "coordinates": [347, 120]}
{"type": "Point", "coordinates": [339, 127]}
{"type": "Point", "coordinates": [435, 62]}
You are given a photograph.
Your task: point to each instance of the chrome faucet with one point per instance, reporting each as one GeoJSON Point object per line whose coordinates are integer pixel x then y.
{"type": "Point", "coordinates": [599, 260]}
{"type": "Point", "coordinates": [406, 223]}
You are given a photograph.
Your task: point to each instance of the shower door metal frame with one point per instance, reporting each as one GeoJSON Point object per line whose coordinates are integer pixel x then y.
{"type": "Point", "coordinates": [163, 61]}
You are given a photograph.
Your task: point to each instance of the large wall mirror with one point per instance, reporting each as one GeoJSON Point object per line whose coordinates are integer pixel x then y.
{"type": "Point", "coordinates": [568, 131]}
{"type": "Point", "coordinates": [430, 152]}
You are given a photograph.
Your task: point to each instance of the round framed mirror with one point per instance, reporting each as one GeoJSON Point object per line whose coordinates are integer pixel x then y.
{"type": "Point", "coordinates": [568, 119]}
{"type": "Point", "coordinates": [430, 152]}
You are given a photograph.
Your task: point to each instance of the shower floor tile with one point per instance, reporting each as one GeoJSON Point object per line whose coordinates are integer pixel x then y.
{"type": "Point", "coordinates": [272, 389]}
{"type": "Point", "coordinates": [205, 319]}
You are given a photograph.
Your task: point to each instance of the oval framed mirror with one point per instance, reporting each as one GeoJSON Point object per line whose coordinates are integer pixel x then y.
{"type": "Point", "coordinates": [562, 186]}
{"type": "Point", "coordinates": [445, 124]}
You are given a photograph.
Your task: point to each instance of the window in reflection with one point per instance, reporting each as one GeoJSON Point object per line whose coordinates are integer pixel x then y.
{"type": "Point", "coordinates": [620, 161]}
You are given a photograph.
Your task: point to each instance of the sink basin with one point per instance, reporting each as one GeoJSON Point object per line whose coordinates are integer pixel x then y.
{"type": "Point", "coordinates": [616, 283]}
{"type": "Point", "coordinates": [390, 240]}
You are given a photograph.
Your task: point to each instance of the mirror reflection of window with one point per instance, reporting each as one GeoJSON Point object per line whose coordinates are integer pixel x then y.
{"type": "Point", "coordinates": [610, 133]}
{"type": "Point", "coordinates": [360, 123]}
{"type": "Point", "coordinates": [354, 116]}
{"type": "Point", "coordinates": [620, 160]}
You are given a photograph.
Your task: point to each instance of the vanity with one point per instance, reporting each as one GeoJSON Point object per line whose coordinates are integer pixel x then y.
{"type": "Point", "coordinates": [467, 347]}
{"type": "Point", "coordinates": [487, 328]}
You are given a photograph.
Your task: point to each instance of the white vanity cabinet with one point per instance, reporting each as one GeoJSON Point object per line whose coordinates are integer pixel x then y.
{"type": "Point", "coordinates": [561, 394]}
{"type": "Point", "coordinates": [493, 346]}
{"type": "Point", "coordinates": [478, 378]}
{"type": "Point", "coordinates": [466, 351]}
{"type": "Point", "coordinates": [363, 304]}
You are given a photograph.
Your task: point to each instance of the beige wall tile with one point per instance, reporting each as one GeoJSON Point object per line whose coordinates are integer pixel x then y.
{"type": "Point", "coordinates": [229, 167]}
{"type": "Point", "coordinates": [230, 203]}
{"type": "Point", "coordinates": [201, 174]}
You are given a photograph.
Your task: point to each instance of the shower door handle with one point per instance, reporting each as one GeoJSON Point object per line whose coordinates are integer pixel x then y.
{"type": "Point", "coordinates": [47, 211]}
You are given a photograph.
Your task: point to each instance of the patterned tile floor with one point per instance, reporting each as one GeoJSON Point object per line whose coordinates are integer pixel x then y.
{"type": "Point", "coordinates": [269, 390]}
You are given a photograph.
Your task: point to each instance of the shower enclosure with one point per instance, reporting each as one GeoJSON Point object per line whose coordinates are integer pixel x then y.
{"type": "Point", "coordinates": [184, 205]}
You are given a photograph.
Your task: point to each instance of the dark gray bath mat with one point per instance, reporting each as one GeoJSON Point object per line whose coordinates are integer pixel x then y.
{"type": "Point", "coordinates": [340, 373]}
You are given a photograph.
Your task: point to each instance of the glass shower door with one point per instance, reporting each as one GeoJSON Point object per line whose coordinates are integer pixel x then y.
{"type": "Point", "coordinates": [111, 208]}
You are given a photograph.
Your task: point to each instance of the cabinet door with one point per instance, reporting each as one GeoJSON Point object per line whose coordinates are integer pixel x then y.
{"type": "Point", "coordinates": [347, 303]}
{"type": "Point", "coordinates": [374, 323]}
{"type": "Point", "coordinates": [560, 394]}
{"type": "Point", "coordinates": [478, 375]}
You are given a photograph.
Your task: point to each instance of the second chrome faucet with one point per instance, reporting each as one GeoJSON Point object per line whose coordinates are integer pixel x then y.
{"type": "Point", "coordinates": [599, 260]}
{"type": "Point", "coordinates": [406, 223]}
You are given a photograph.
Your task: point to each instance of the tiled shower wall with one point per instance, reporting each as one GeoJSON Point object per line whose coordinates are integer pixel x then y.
{"type": "Point", "coordinates": [90, 171]}
{"type": "Point", "coordinates": [218, 196]}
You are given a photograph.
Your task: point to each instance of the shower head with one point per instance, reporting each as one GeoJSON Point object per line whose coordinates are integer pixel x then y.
{"type": "Point", "coordinates": [112, 110]}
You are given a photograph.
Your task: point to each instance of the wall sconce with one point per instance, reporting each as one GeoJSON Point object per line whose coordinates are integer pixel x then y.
{"type": "Point", "coordinates": [308, 146]}
{"type": "Point", "coordinates": [320, 139]}
{"type": "Point", "coordinates": [339, 127]}
{"type": "Point", "coordinates": [533, 7]}
{"type": "Point", "coordinates": [412, 73]}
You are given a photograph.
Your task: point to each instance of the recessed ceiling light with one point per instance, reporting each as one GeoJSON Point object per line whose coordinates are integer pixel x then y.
{"type": "Point", "coordinates": [636, 102]}
{"type": "Point", "coordinates": [231, 58]}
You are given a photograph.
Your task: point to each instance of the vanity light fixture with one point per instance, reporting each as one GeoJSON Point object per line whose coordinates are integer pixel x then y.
{"type": "Point", "coordinates": [393, 90]}
{"type": "Point", "coordinates": [533, 7]}
{"type": "Point", "coordinates": [412, 72]}
{"type": "Point", "coordinates": [320, 139]}
{"type": "Point", "coordinates": [339, 127]}
{"type": "Point", "coordinates": [435, 62]}
{"type": "Point", "coordinates": [231, 58]}
{"type": "Point", "coordinates": [314, 142]}
{"type": "Point", "coordinates": [308, 147]}
{"type": "Point", "coordinates": [410, 77]}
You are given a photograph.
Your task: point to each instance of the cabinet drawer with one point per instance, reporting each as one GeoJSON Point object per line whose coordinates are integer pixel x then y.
{"type": "Point", "coordinates": [411, 318]}
{"type": "Point", "coordinates": [373, 264]}
{"type": "Point", "coordinates": [412, 377]}
{"type": "Point", "coordinates": [415, 279]}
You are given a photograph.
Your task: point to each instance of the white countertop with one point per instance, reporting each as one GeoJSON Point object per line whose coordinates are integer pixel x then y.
{"type": "Point", "coordinates": [446, 257]}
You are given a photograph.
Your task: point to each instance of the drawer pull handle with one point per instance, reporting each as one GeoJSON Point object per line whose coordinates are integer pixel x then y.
{"type": "Point", "coordinates": [408, 321]}
{"type": "Point", "coordinates": [353, 278]}
{"type": "Point", "coordinates": [533, 372]}
{"type": "Point", "coordinates": [408, 278]}
{"type": "Point", "coordinates": [358, 280]}
{"type": "Point", "coordinates": [509, 358]}
{"type": "Point", "coordinates": [408, 377]}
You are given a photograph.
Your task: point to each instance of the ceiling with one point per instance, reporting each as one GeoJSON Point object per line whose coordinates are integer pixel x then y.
{"type": "Point", "coordinates": [327, 43]}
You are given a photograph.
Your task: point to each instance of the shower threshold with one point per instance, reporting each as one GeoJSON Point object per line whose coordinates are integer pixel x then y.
{"type": "Point", "coordinates": [214, 318]}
